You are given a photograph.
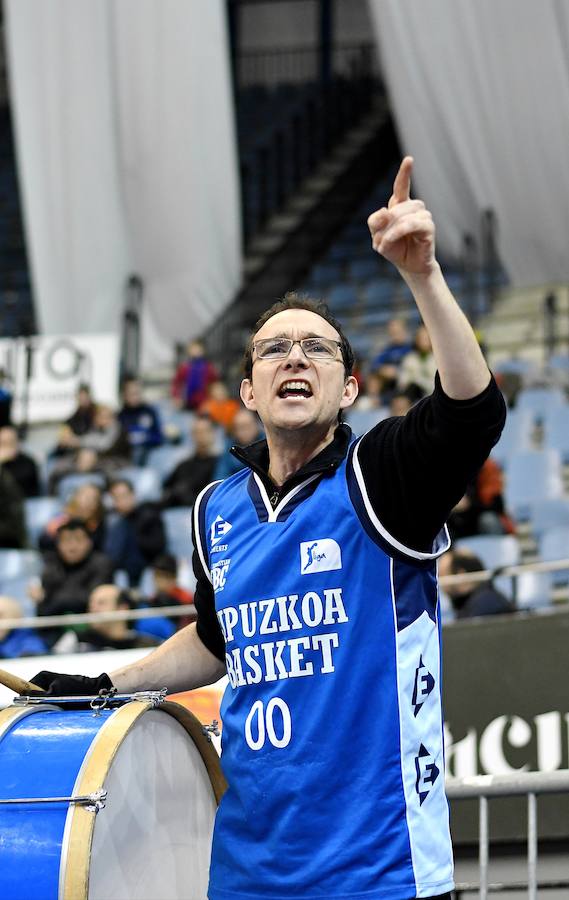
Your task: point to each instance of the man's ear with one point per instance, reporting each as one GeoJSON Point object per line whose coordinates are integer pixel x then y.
{"type": "Point", "coordinates": [350, 393]}
{"type": "Point", "coordinates": [246, 394]}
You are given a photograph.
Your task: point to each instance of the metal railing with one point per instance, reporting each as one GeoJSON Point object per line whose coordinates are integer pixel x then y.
{"type": "Point", "coordinates": [485, 787]}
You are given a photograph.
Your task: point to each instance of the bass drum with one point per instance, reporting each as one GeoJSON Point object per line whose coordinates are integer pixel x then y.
{"type": "Point", "coordinates": [152, 837]}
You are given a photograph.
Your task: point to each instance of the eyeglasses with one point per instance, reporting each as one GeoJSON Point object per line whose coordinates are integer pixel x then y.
{"type": "Point", "coordinates": [312, 347]}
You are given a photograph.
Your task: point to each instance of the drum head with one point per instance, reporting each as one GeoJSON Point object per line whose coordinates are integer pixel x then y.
{"type": "Point", "coordinates": [153, 838]}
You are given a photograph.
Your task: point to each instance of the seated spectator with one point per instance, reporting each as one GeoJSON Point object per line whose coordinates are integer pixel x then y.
{"type": "Point", "coordinates": [85, 504]}
{"type": "Point", "coordinates": [183, 485]}
{"type": "Point", "coordinates": [80, 421]}
{"type": "Point", "coordinates": [6, 397]}
{"type": "Point", "coordinates": [193, 377]}
{"type": "Point", "coordinates": [109, 439]}
{"type": "Point", "coordinates": [482, 509]}
{"type": "Point", "coordinates": [22, 468]}
{"type": "Point", "coordinates": [70, 573]}
{"type": "Point", "coordinates": [219, 406]}
{"type": "Point", "coordinates": [136, 536]}
{"type": "Point", "coordinates": [246, 429]}
{"type": "Point", "coordinates": [140, 420]}
{"type": "Point", "coordinates": [386, 364]}
{"type": "Point", "coordinates": [168, 591]}
{"type": "Point", "coordinates": [16, 642]}
{"type": "Point", "coordinates": [418, 367]}
{"type": "Point", "coordinates": [115, 635]}
{"type": "Point", "coordinates": [84, 461]}
{"type": "Point", "coordinates": [471, 598]}
{"type": "Point", "coordinates": [12, 520]}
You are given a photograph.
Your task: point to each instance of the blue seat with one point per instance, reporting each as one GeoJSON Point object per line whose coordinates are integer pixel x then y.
{"type": "Point", "coordinates": [363, 269]}
{"type": "Point", "coordinates": [38, 511]}
{"type": "Point", "coordinates": [541, 402]}
{"type": "Point", "coordinates": [554, 545]}
{"type": "Point", "coordinates": [325, 274]}
{"type": "Point", "coordinates": [341, 296]}
{"type": "Point", "coordinates": [165, 459]}
{"type": "Point", "coordinates": [178, 528]}
{"type": "Point", "coordinates": [17, 563]}
{"type": "Point", "coordinates": [530, 476]}
{"type": "Point", "coordinates": [516, 436]}
{"type": "Point", "coordinates": [378, 292]}
{"type": "Point", "coordinates": [145, 481]}
{"type": "Point", "coordinates": [69, 484]}
{"type": "Point", "coordinates": [533, 590]}
{"type": "Point", "coordinates": [494, 550]}
{"type": "Point", "coordinates": [556, 431]}
{"type": "Point", "coordinates": [361, 420]}
{"type": "Point", "coordinates": [548, 513]}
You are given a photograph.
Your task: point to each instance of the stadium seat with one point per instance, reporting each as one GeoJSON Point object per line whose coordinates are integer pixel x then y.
{"type": "Point", "coordinates": [548, 513]}
{"type": "Point", "coordinates": [533, 590]}
{"type": "Point", "coordinates": [378, 292]}
{"type": "Point", "coordinates": [361, 420]}
{"type": "Point", "coordinates": [165, 459]}
{"type": "Point", "coordinates": [494, 550]}
{"type": "Point", "coordinates": [341, 297]}
{"type": "Point", "coordinates": [16, 563]}
{"type": "Point", "coordinates": [37, 512]}
{"type": "Point", "coordinates": [530, 476]}
{"type": "Point", "coordinates": [363, 269]}
{"type": "Point", "coordinates": [516, 436]}
{"type": "Point", "coordinates": [556, 431]}
{"type": "Point", "coordinates": [68, 485]}
{"type": "Point", "coordinates": [145, 481]}
{"type": "Point", "coordinates": [541, 401]}
{"type": "Point", "coordinates": [554, 545]}
{"type": "Point", "coordinates": [178, 527]}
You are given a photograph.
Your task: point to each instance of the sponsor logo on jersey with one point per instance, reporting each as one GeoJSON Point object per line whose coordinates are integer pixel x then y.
{"type": "Point", "coordinates": [424, 684]}
{"type": "Point", "coordinates": [427, 773]}
{"type": "Point", "coordinates": [219, 572]}
{"type": "Point", "coordinates": [323, 555]}
{"type": "Point", "coordinates": [218, 529]}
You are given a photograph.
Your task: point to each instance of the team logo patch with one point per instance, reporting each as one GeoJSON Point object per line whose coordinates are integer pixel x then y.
{"type": "Point", "coordinates": [424, 684]}
{"type": "Point", "coordinates": [427, 773]}
{"type": "Point", "coordinates": [219, 572]}
{"type": "Point", "coordinates": [218, 529]}
{"type": "Point", "coordinates": [323, 555]}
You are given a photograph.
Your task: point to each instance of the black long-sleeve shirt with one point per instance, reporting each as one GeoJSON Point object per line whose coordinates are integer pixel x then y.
{"type": "Point", "coordinates": [415, 468]}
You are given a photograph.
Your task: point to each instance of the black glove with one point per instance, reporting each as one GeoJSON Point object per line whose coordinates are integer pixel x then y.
{"type": "Point", "coordinates": [56, 685]}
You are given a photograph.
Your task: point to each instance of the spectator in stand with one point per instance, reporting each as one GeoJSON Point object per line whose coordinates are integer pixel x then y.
{"type": "Point", "coordinates": [193, 377]}
{"type": "Point", "coordinates": [16, 642]}
{"type": "Point", "coordinates": [482, 510]}
{"type": "Point", "coordinates": [5, 400]}
{"type": "Point", "coordinates": [168, 591]}
{"type": "Point", "coordinates": [85, 504]}
{"type": "Point", "coordinates": [371, 397]}
{"type": "Point", "coordinates": [136, 536]}
{"type": "Point", "coordinates": [400, 404]}
{"type": "Point", "coordinates": [471, 598]}
{"type": "Point", "coordinates": [219, 406]}
{"type": "Point", "coordinates": [140, 420]}
{"type": "Point", "coordinates": [83, 461]}
{"type": "Point", "coordinates": [117, 635]}
{"type": "Point", "coordinates": [12, 521]}
{"type": "Point", "coordinates": [81, 420]}
{"type": "Point", "coordinates": [246, 429]}
{"type": "Point", "coordinates": [418, 367]}
{"type": "Point", "coordinates": [183, 485]}
{"type": "Point", "coordinates": [70, 573]}
{"type": "Point", "coordinates": [386, 364]}
{"type": "Point", "coordinates": [109, 439]}
{"type": "Point", "coordinates": [22, 468]}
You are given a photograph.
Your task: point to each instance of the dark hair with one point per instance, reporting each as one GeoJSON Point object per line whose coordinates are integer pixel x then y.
{"type": "Point", "coordinates": [126, 481]}
{"type": "Point", "coordinates": [74, 525]}
{"type": "Point", "coordinates": [292, 300]}
{"type": "Point", "coordinates": [124, 598]}
{"type": "Point", "coordinates": [166, 563]}
{"type": "Point", "coordinates": [465, 561]}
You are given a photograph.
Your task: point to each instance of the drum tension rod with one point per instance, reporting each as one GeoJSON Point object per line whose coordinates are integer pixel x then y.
{"type": "Point", "coordinates": [92, 802]}
{"type": "Point", "coordinates": [208, 730]}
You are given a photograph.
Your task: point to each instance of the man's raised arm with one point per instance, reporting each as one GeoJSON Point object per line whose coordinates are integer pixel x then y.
{"type": "Point", "coordinates": [404, 233]}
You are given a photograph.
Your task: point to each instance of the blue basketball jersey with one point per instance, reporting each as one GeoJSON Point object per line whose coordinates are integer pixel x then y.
{"type": "Point", "coordinates": [332, 723]}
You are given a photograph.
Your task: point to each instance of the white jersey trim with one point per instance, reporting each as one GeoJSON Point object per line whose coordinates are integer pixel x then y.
{"type": "Point", "coordinates": [196, 515]}
{"type": "Point", "coordinates": [441, 543]}
{"type": "Point", "coordinates": [273, 514]}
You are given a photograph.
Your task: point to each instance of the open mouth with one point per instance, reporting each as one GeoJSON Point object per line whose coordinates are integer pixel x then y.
{"type": "Point", "coordinates": [295, 389]}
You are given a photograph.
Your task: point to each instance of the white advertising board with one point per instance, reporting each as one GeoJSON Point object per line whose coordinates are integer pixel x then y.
{"type": "Point", "coordinates": [44, 371]}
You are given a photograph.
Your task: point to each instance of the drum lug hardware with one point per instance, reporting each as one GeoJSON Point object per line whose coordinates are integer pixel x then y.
{"type": "Point", "coordinates": [91, 802]}
{"type": "Point", "coordinates": [208, 730]}
{"type": "Point", "coordinates": [100, 702]}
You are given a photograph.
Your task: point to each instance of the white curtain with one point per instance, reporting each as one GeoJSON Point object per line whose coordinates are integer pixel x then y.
{"type": "Point", "coordinates": [127, 158]}
{"type": "Point", "coordinates": [480, 93]}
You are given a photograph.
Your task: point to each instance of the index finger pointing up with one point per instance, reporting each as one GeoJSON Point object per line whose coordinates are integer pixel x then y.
{"type": "Point", "coordinates": [402, 183]}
